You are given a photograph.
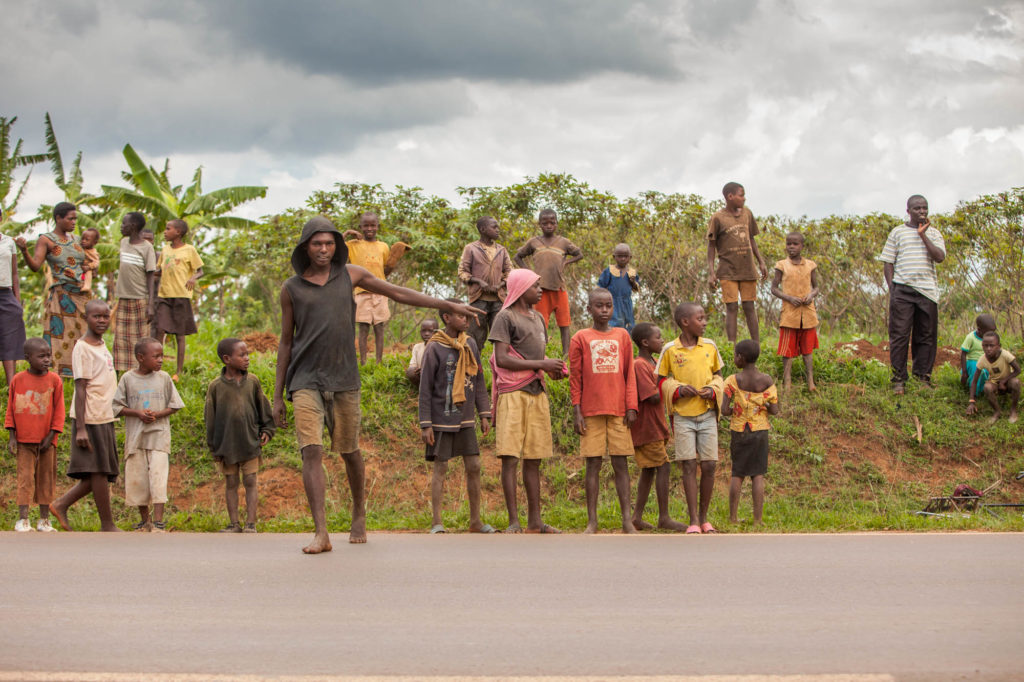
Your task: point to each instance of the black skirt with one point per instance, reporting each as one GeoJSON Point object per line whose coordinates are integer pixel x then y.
{"type": "Point", "coordinates": [101, 458]}
{"type": "Point", "coordinates": [749, 453]}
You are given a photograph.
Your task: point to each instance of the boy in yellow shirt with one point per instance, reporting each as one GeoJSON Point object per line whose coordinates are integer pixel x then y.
{"type": "Point", "coordinates": [692, 366]}
{"type": "Point", "coordinates": [371, 309]}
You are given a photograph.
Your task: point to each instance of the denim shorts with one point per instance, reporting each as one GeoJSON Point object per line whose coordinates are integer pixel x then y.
{"type": "Point", "coordinates": [696, 437]}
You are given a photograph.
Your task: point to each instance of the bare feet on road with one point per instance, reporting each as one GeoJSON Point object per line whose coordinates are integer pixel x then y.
{"type": "Point", "coordinates": [321, 543]}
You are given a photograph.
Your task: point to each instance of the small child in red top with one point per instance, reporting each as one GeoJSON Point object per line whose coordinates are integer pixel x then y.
{"type": "Point", "coordinates": [650, 431]}
{"type": "Point", "coordinates": [35, 415]}
{"type": "Point", "coordinates": [602, 384]}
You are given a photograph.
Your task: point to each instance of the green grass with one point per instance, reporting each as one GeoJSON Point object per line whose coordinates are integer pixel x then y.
{"type": "Point", "coordinates": [845, 458]}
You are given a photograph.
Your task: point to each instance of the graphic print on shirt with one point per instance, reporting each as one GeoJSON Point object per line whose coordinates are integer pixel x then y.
{"type": "Point", "coordinates": [604, 356]}
{"type": "Point", "coordinates": [32, 402]}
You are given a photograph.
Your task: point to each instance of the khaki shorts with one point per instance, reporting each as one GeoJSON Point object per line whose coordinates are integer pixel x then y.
{"type": "Point", "coordinates": [523, 426]}
{"type": "Point", "coordinates": [249, 466]}
{"type": "Point", "coordinates": [338, 412]}
{"type": "Point", "coordinates": [651, 455]}
{"type": "Point", "coordinates": [606, 435]}
{"type": "Point", "coordinates": [733, 290]}
{"type": "Point", "coordinates": [372, 308]}
{"type": "Point", "coordinates": [145, 478]}
{"type": "Point", "coordinates": [696, 437]}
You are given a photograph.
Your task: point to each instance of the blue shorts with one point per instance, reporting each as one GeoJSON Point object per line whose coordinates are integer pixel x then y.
{"type": "Point", "coordinates": [972, 367]}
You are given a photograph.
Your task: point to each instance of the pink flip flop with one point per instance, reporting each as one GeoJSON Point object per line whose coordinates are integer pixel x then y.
{"type": "Point", "coordinates": [707, 528]}
{"type": "Point", "coordinates": [693, 530]}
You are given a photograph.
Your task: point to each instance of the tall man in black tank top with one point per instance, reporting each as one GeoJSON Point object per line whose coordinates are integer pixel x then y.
{"type": "Point", "coordinates": [317, 368]}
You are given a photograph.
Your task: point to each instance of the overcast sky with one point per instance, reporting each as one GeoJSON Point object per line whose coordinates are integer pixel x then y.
{"type": "Point", "coordinates": [816, 107]}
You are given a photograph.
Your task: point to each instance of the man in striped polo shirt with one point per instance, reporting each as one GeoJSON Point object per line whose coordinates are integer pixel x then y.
{"type": "Point", "coordinates": [910, 255]}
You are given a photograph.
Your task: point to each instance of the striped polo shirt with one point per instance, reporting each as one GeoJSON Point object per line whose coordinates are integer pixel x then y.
{"type": "Point", "coordinates": [912, 266]}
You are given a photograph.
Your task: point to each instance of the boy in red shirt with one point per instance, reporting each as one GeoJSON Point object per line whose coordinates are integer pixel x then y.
{"type": "Point", "coordinates": [35, 415]}
{"type": "Point", "coordinates": [602, 384]}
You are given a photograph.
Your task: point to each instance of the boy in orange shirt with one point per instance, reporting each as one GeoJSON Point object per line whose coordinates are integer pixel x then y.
{"type": "Point", "coordinates": [602, 384]}
{"type": "Point", "coordinates": [371, 309]}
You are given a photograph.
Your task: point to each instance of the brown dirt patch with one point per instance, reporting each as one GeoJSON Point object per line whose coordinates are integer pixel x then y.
{"type": "Point", "coordinates": [865, 350]}
{"type": "Point", "coordinates": [280, 491]}
{"type": "Point", "coordinates": [261, 342]}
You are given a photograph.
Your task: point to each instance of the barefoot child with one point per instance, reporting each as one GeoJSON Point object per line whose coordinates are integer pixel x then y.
{"type": "Point", "coordinates": [971, 351]}
{"type": "Point", "coordinates": [621, 281]}
{"type": "Point", "coordinates": [693, 370]}
{"type": "Point", "coordinates": [452, 393]}
{"type": "Point", "coordinates": [146, 398]}
{"type": "Point", "coordinates": [91, 264]}
{"type": "Point", "coordinates": [428, 328]}
{"type": "Point", "coordinates": [371, 309]}
{"type": "Point", "coordinates": [649, 431]}
{"type": "Point", "coordinates": [180, 269]}
{"type": "Point", "coordinates": [239, 422]}
{"type": "Point", "coordinates": [796, 283]}
{"type": "Point", "coordinates": [731, 235]}
{"type": "Point", "coordinates": [35, 415]}
{"type": "Point", "coordinates": [750, 396]}
{"type": "Point", "coordinates": [93, 462]}
{"type": "Point", "coordinates": [483, 268]}
{"type": "Point", "coordinates": [1003, 371]}
{"type": "Point", "coordinates": [522, 414]}
{"type": "Point", "coordinates": [602, 386]}
{"type": "Point", "coordinates": [551, 253]}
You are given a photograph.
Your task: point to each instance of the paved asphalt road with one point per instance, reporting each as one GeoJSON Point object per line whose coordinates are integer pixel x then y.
{"type": "Point", "coordinates": [914, 606]}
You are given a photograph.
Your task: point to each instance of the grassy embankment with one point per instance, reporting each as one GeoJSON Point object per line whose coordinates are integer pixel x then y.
{"type": "Point", "coordinates": [846, 458]}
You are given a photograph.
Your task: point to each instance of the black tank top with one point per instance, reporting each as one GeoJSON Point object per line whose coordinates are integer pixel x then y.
{"type": "Point", "coordinates": [323, 347]}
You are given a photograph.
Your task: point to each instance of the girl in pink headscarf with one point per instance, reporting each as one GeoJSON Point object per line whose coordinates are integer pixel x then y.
{"type": "Point", "coordinates": [522, 415]}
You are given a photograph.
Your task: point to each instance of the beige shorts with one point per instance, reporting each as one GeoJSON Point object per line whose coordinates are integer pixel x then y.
{"type": "Point", "coordinates": [732, 290]}
{"type": "Point", "coordinates": [249, 466]}
{"type": "Point", "coordinates": [651, 455]}
{"type": "Point", "coordinates": [372, 308]}
{"type": "Point", "coordinates": [337, 412]}
{"type": "Point", "coordinates": [523, 426]}
{"type": "Point", "coordinates": [606, 435]}
{"type": "Point", "coordinates": [145, 478]}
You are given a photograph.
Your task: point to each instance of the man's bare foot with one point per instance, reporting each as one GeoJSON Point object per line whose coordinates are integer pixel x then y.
{"type": "Point", "coordinates": [110, 529]}
{"type": "Point", "coordinates": [671, 524]}
{"type": "Point", "coordinates": [591, 528]}
{"type": "Point", "coordinates": [994, 418]}
{"type": "Point", "coordinates": [640, 524]}
{"type": "Point", "coordinates": [811, 386]}
{"type": "Point", "coordinates": [321, 543]}
{"type": "Point", "coordinates": [1013, 417]}
{"type": "Point", "coordinates": [544, 529]}
{"type": "Point", "coordinates": [514, 528]}
{"type": "Point", "coordinates": [60, 514]}
{"type": "Point", "coordinates": [627, 527]}
{"type": "Point", "coordinates": [357, 533]}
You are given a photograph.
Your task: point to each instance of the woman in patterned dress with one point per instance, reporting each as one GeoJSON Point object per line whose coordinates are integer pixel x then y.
{"type": "Point", "coordinates": [65, 300]}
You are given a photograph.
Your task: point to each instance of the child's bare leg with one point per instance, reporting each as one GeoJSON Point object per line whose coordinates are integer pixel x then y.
{"type": "Point", "coordinates": [437, 490]}
{"type": "Point", "coordinates": [750, 312]}
{"type": "Point", "coordinates": [643, 491]}
{"type": "Point", "coordinates": [356, 472]}
{"type": "Point", "coordinates": [621, 469]}
{"type": "Point", "coordinates": [531, 481]}
{"type": "Point", "coordinates": [144, 513]}
{"type": "Point", "coordinates": [364, 338]}
{"type": "Point", "coordinates": [231, 497]}
{"type": "Point", "coordinates": [787, 373]}
{"type": "Point", "coordinates": [707, 486]}
{"type": "Point", "coordinates": [472, 465]}
{"type": "Point", "coordinates": [690, 489]}
{"type": "Point", "coordinates": [180, 342]}
{"type": "Point", "coordinates": [44, 511]}
{"type": "Point", "coordinates": [1014, 386]}
{"type": "Point", "coordinates": [60, 506]}
{"type": "Point", "coordinates": [731, 310]}
{"type": "Point", "coordinates": [735, 488]}
{"type": "Point", "coordinates": [314, 481]}
{"type": "Point", "coordinates": [564, 332]}
{"type": "Point", "coordinates": [251, 498]}
{"type": "Point", "coordinates": [87, 280]}
{"type": "Point", "coordinates": [158, 511]}
{"type": "Point", "coordinates": [591, 482]}
{"type": "Point", "coordinates": [809, 371]}
{"type": "Point", "coordinates": [509, 467]}
{"type": "Point", "coordinates": [661, 485]}
{"type": "Point", "coordinates": [101, 495]}
{"type": "Point", "coordinates": [378, 339]}
{"type": "Point", "coordinates": [757, 484]}
{"type": "Point", "coordinates": [993, 399]}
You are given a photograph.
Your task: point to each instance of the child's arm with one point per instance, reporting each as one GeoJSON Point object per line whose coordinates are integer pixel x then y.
{"type": "Point", "coordinates": [777, 288]}
{"type": "Point", "coordinates": [963, 367]}
{"type": "Point", "coordinates": [524, 251]}
{"type": "Point", "coordinates": [427, 370]}
{"type": "Point", "coordinates": [483, 400]}
{"type": "Point", "coordinates": [809, 299]}
{"type": "Point", "coordinates": [15, 283]}
{"type": "Point", "coordinates": [759, 258]}
{"type": "Point", "coordinates": [209, 417]}
{"type": "Point", "coordinates": [81, 435]}
{"type": "Point", "coordinates": [712, 278]}
{"type": "Point", "coordinates": [727, 403]}
{"type": "Point", "coordinates": [1014, 373]}
{"type": "Point", "coordinates": [48, 439]}
{"type": "Point", "coordinates": [573, 253]}
{"type": "Point", "coordinates": [191, 283]}
{"type": "Point", "coordinates": [632, 404]}
{"type": "Point", "coordinates": [506, 360]}
{"type": "Point", "coordinates": [12, 440]}
{"type": "Point", "coordinates": [264, 415]}
{"type": "Point", "coordinates": [972, 402]}
{"type": "Point", "coordinates": [579, 424]}
{"type": "Point", "coordinates": [605, 280]}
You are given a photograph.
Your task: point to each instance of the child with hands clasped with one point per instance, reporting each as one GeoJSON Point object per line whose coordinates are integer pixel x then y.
{"type": "Point", "coordinates": [796, 283]}
{"type": "Point", "coordinates": [971, 351]}
{"type": "Point", "coordinates": [692, 371]}
{"type": "Point", "coordinates": [35, 415]}
{"type": "Point", "coordinates": [621, 280]}
{"type": "Point", "coordinates": [452, 393]}
{"type": "Point", "coordinates": [146, 398]}
{"type": "Point", "coordinates": [602, 384]}
{"type": "Point", "coordinates": [750, 396]}
{"type": "Point", "coordinates": [239, 422]}
{"type": "Point", "coordinates": [1003, 372]}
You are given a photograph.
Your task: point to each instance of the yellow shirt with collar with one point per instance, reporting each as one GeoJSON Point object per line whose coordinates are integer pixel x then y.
{"type": "Point", "coordinates": [694, 366]}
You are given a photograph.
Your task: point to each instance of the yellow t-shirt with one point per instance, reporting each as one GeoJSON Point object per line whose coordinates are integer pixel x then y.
{"type": "Point", "coordinates": [749, 408]}
{"type": "Point", "coordinates": [370, 255]}
{"type": "Point", "coordinates": [694, 366]}
{"type": "Point", "coordinates": [176, 267]}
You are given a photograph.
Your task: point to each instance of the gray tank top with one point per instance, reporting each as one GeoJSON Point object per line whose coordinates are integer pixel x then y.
{"type": "Point", "coordinates": [323, 347]}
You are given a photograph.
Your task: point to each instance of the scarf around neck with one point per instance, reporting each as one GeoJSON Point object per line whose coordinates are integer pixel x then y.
{"type": "Point", "coordinates": [466, 366]}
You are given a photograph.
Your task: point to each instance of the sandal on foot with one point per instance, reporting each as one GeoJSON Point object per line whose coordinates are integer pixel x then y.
{"type": "Point", "coordinates": [438, 528]}
{"type": "Point", "coordinates": [693, 529]}
{"type": "Point", "coordinates": [249, 528]}
{"type": "Point", "coordinates": [486, 528]}
{"type": "Point", "coordinates": [707, 528]}
{"type": "Point", "coordinates": [231, 528]}
{"type": "Point", "coordinates": [142, 526]}
{"type": "Point", "coordinates": [159, 526]}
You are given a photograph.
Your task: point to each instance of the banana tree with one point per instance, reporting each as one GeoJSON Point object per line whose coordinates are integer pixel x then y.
{"type": "Point", "coordinates": [12, 159]}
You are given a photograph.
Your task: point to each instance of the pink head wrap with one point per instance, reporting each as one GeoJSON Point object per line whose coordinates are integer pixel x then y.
{"type": "Point", "coordinates": [519, 280]}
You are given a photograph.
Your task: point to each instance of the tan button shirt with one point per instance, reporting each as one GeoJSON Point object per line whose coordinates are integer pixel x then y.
{"type": "Point", "coordinates": [796, 281]}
